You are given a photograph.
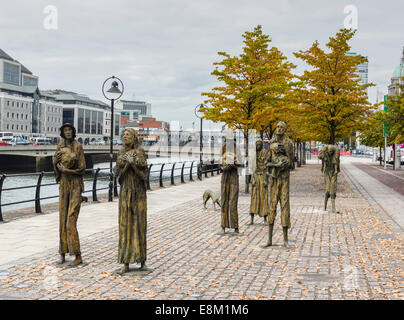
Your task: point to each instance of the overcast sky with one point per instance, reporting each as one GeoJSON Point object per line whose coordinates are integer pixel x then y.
{"type": "Point", "coordinates": [163, 50]}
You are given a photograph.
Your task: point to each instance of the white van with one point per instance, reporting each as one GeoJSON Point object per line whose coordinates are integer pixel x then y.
{"type": "Point", "coordinates": [6, 136]}
{"type": "Point", "coordinates": [39, 141]}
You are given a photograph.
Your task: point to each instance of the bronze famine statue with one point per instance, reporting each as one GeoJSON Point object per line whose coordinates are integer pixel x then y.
{"type": "Point", "coordinates": [69, 166]}
{"type": "Point", "coordinates": [208, 194]}
{"type": "Point", "coordinates": [329, 155]}
{"type": "Point", "coordinates": [229, 189]}
{"type": "Point", "coordinates": [259, 193]}
{"type": "Point", "coordinates": [131, 169]}
{"type": "Point", "coordinates": [280, 162]}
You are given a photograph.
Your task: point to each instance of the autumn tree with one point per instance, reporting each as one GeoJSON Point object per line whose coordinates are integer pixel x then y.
{"type": "Point", "coordinates": [253, 86]}
{"type": "Point", "coordinates": [395, 116]}
{"type": "Point", "coordinates": [335, 103]}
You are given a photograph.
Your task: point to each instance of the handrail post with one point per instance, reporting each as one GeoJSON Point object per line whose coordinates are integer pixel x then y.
{"type": "Point", "coordinates": [206, 170]}
{"type": "Point", "coordinates": [161, 175]}
{"type": "Point", "coordinates": [110, 187]}
{"type": "Point", "coordinates": [190, 172]}
{"type": "Point", "coordinates": [172, 174]}
{"type": "Point", "coordinates": [2, 177]}
{"type": "Point", "coordinates": [38, 194]}
{"type": "Point", "coordinates": [95, 185]}
{"type": "Point", "coordinates": [211, 167]}
{"type": "Point", "coordinates": [148, 178]}
{"type": "Point", "coordinates": [199, 174]}
{"type": "Point", "coordinates": [182, 172]}
{"type": "Point", "coordinates": [115, 187]}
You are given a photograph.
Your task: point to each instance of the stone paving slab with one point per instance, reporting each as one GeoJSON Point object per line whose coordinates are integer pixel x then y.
{"type": "Point", "coordinates": [352, 255]}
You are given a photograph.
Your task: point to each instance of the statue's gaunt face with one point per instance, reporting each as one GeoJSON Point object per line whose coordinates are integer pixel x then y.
{"type": "Point", "coordinates": [127, 138]}
{"type": "Point", "coordinates": [259, 146]}
{"type": "Point", "coordinates": [280, 129]}
{"type": "Point", "coordinates": [68, 133]}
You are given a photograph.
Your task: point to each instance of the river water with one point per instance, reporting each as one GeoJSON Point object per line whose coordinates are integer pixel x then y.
{"type": "Point", "coordinates": [10, 196]}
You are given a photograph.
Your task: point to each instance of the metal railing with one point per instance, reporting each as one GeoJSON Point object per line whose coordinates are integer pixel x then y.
{"type": "Point", "coordinates": [164, 172]}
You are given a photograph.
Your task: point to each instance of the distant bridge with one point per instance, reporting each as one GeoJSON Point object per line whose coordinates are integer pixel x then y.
{"type": "Point", "coordinates": [39, 158]}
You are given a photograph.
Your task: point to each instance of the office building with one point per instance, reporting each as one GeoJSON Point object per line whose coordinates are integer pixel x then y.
{"type": "Point", "coordinates": [24, 109]}
{"type": "Point", "coordinates": [90, 117]}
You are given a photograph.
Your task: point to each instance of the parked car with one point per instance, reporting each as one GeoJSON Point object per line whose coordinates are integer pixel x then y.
{"type": "Point", "coordinates": [3, 143]}
{"type": "Point", "coordinates": [41, 141]}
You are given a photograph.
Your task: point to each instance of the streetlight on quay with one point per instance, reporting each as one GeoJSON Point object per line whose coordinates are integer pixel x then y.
{"type": "Point", "coordinates": [199, 114]}
{"type": "Point", "coordinates": [114, 94]}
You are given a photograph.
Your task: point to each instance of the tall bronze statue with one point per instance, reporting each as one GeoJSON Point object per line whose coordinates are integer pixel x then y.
{"type": "Point", "coordinates": [131, 169]}
{"type": "Point", "coordinates": [280, 162]}
{"type": "Point", "coordinates": [329, 155]}
{"type": "Point", "coordinates": [259, 193]}
{"type": "Point", "coordinates": [69, 165]}
{"type": "Point", "coordinates": [229, 189]}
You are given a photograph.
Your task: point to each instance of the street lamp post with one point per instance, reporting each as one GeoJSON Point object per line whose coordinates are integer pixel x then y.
{"type": "Point", "coordinates": [115, 94]}
{"type": "Point", "coordinates": [198, 113]}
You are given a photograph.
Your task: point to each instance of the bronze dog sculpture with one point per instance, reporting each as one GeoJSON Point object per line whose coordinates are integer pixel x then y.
{"type": "Point", "coordinates": [208, 194]}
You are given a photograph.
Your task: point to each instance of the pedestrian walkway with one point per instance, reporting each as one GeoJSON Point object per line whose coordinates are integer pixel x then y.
{"type": "Point", "coordinates": [356, 254]}
{"type": "Point", "coordinates": [379, 186]}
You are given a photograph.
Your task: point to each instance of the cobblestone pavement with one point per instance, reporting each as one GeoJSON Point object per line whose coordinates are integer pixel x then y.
{"type": "Point", "coordinates": [357, 254]}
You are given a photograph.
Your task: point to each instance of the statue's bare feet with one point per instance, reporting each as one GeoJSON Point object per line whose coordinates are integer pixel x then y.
{"type": "Point", "coordinates": [286, 245]}
{"type": "Point", "coordinates": [62, 259]}
{"type": "Point", "coordinates": [76, 261]}
{"type": "Point", "coordinates": [143, 265]}
{"type": "Point", "coordinates": [223, 230]}
{"type": "Point", "coordinates": [269, 244]}
{"type": "Point", "coordinates": [236, 230]}
{"type": "Point", "coordinates": [125, 269]}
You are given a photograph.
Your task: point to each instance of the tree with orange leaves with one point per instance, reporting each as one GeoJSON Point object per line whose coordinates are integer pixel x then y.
{"type": "Point", "coordinates": [255, 86]}
{"type": "Point", "coordinates": [334, 104]}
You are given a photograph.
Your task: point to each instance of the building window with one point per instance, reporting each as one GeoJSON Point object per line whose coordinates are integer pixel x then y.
{"type": "Point", "coordinates": [93, 122]}
{"type": "Point", "coordinates": [68, 116]}
{"type": "Point", "coordinates": [11, 74]}
{"type": "Point", "coordinates": [100, 122]}
{"type": "Point", "coordinates": [87, 125]}
{"type": "Point", "coordinates": [30, 81]}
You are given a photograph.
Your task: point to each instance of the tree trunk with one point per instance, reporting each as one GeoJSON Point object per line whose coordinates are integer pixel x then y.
{"type": "Point", "coordinates": [380, 156]}
{"type": "Point", "coordinates": [299, 163]}
{"type": "Point", "coordinates": [332, 134]}
{"type": "Point", "coordinates": [394, 156]}
{"type": "Point", "coordinates": [304, 153]}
